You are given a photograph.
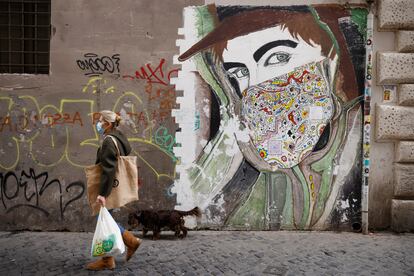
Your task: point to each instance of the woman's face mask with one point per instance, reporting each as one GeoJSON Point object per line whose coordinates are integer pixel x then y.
{"type": "Point", "coordinates": [100, 128]}
{"type": "Point", "coordinates": [287, 114]}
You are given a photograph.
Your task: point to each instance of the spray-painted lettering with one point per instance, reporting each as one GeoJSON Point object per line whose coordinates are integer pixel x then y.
{"type": "Point", "coordinates": [155, 75]}
{"type": "Point", "coordinates": [28, 188]}
{"type": "Point", "coordinates": [94, 65]}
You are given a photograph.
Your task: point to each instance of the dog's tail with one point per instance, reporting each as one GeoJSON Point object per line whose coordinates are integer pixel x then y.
{"type": "Point", "coordinates": [193, 212]}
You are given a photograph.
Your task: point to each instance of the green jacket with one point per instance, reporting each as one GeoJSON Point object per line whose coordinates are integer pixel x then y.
{"type": "Point", "coordinates": [107, 157]}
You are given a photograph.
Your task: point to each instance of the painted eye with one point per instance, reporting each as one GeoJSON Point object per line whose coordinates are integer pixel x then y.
{"type": "Point", "coordinates": [278, 58]}
{"type": "Point", "coordinates": [240, 72]}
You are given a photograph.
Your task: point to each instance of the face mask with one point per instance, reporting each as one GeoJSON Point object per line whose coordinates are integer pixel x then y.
{"type": "Point", "coordinates": [99, 128]}
{"type": "Point", "coordinates": [287, 114]}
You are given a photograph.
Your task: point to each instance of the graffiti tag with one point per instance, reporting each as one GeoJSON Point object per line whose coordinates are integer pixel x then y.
{"type": "Point", "coordinates": [27, 188]}
{"type": "Point", "coordinates": [164, 139]}
{"type": "Point", "coordinates": [94, 65]}
{"type": "Point", "coordinates": [153, 75]}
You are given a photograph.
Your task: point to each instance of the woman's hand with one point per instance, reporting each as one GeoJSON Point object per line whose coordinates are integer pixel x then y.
{"type": "Point", "coordinates": [101, 200]}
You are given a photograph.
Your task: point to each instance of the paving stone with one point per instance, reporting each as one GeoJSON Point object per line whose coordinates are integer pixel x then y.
{"type": "Point", "coordinates": [225, 253]}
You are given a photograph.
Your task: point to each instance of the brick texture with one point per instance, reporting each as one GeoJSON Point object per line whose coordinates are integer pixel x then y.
{"type": "Point", "coordinates": [394, 123]}
{"type": "Point", "coordinates": [406, 94]}
{"type": "Point", "coordinates": [396, 14]}
{"type": "Point", "coordinates": [404, 152]}
{"type": "Point", "coordinates": [395, 68]}
{"type": "Point", "coordinates": [404, 184]}
{"type": "Point", "coordinates": [402, 215]}
{"type": "Point", "coordinates": [405, 41]}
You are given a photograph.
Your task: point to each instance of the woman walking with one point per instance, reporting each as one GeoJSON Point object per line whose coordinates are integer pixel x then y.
{"type": "Point", "coordinates": [107, 158]}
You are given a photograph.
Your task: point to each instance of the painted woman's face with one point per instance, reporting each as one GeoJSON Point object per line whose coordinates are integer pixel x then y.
{"type": "Point", "coordinates": [285, 90]}
{"type": "Point", "coordinates": [259, 56]}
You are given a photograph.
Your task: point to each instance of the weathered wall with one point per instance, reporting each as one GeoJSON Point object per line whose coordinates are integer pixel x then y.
{"type": "Point", "coordinates": [394, 118]}
{"type": "Point", "coordinates": [104, 55]}
{"type": "Point", "coordinates": [47, 133]}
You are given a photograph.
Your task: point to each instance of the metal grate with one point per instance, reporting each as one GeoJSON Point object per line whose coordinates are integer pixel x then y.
{"type": "Point", "coordinates": [24, 36]}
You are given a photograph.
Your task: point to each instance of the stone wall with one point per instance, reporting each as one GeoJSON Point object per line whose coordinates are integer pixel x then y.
{"type": "Point", "coordinates": [395, 121]}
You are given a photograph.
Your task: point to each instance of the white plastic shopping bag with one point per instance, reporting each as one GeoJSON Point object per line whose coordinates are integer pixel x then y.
{"type": "Point", "coordinates": [107, 240]}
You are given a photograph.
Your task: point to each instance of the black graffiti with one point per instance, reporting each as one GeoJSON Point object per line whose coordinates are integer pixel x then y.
{"type": "Point", "coordinates": [28, 189]}
{"type": "Point", "coordinates": [94, 65]}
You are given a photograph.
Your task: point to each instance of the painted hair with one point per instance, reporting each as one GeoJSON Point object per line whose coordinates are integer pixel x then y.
{"type": "Point", "coordinates": [314, 24]}
{"type": "Point", "coordinates": [299, 24]}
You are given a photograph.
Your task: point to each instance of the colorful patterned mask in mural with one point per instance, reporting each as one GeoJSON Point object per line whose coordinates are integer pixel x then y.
{"type": "Point", "coordinates": [287, 114]}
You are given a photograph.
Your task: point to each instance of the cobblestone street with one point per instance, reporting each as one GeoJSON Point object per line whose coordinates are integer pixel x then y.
{"type": "Point", "coordinates": [216, 253]}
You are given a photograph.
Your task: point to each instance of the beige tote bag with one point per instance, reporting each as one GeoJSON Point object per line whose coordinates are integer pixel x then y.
{"type": "Point", "coordinates": [125, 187]}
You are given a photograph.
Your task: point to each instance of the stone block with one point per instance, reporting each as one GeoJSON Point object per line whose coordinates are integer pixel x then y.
{"type": "Point", "coordinates": [395, 68]}
{"type": "Point", "coordinates": [404, 180]}
{"type": "Point", "coordinates": [396, 14]}
{"type": "Point", "coordinates": [404, 152]}
{"type": "Point", "coordinates": [394, 123]}
{"type": "Point", "coordinates": [405, 41]}
{"type": "Point", "coordinates": [402, 215]}
{"type": "Point", "coordinates": [406, 94]}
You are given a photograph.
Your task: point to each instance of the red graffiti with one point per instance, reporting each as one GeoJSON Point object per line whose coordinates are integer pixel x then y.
{"type": "Point", "coordinates": [23, 122]}
{"type": "Point", "coordinates": [65, 118]}
{"type": "Point", "coordinates": [153, 75]}
{"type": "Point", "coordinates": [19, 123]}
{"type": "Point", "coordinates": [165, 96]}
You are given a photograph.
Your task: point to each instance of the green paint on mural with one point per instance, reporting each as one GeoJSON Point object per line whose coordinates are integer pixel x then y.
{"type": "Point", "coordinates": [326, 28]}
{"type": "Point", "coordinates": [276, 197]}
{"type": "Point", "coordinates": [359, 17]}
{"type": "Point", "coordinates": [251, 215]}
{"type": "Point", "coordinates": [213, 170]}
{"type": "Point", "coordinates": [324, 166]}
{"type": "Point", "coordinates": [287, 215]}
{"type": "Point", "coordinates": [206, 164]}
{"type": "Point", "coordinates": [205, 22]}
{"type": "Point", "coordinates": [306, 201]}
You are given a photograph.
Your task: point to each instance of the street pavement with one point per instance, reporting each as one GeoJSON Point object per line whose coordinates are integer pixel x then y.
{"type": "Point", "coordinates": [216, 253]}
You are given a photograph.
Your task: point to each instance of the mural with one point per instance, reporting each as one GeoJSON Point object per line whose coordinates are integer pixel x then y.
{"type": "Point", "coordinates": [275, 137]}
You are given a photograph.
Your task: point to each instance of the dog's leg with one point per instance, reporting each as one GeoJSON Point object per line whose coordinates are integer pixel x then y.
{"type": "Point", "coordinates": [156, 233]}
{"type": "Point", "coordinates": [183, 228]}
{"type": "Point", "coordinates": [144, 231]}
{"type": "Point", "coordinates": [177, 231]}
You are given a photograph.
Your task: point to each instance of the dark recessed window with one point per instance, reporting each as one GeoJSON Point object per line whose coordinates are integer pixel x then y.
{"type": "Point", "coordinates": [24, 36]}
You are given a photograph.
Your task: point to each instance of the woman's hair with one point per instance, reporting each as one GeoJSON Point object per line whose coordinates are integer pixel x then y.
{"type": "Point", "coordinates": [111, 117]}
{"type": "Point", "coordinates": [117, 121]}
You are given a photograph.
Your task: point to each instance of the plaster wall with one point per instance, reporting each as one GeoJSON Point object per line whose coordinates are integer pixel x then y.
{"type": "Point", "coordinates": [47, 133]}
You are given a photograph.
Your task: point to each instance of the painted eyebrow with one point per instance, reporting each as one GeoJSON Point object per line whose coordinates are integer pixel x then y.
{"type": "Point", "coordinates": [262, 50]}
{"type": "Point", "coordinates": [229, 65]}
